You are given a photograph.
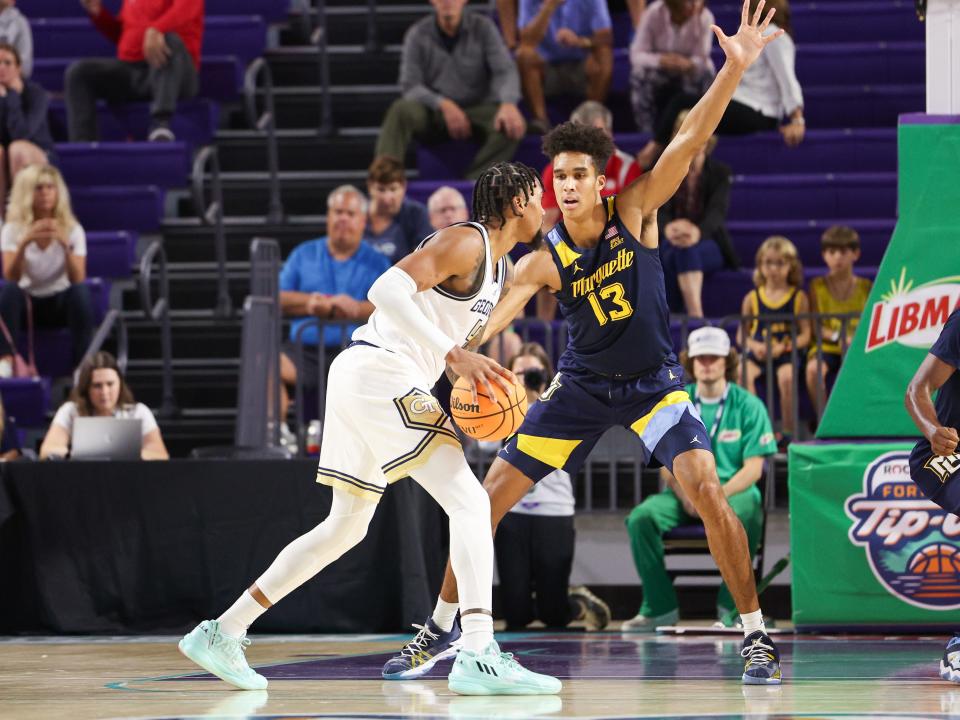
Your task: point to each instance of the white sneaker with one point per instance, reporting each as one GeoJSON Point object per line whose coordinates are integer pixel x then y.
{"type": "Point", "coordinates": [643, 624]}
{"type": "Point", "coordinates": [6, 368]}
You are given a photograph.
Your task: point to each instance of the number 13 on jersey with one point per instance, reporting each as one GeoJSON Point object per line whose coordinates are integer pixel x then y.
{"type": "Point", "coordinates": [615, 294]}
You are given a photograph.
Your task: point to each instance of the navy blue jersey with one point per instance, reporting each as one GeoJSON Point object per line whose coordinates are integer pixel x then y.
{"type": "Point", "coordinates": [779, 330]}
{"type": "Point", "coordinates": [947, 348]}
{"type": "Point", "coordinates": [613, 299]}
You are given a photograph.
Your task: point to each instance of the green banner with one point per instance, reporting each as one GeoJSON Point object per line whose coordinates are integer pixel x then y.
{"type": "Point", "coordinates": [918, 285]}
{"type": "Point", "coordinates": [866, 547]}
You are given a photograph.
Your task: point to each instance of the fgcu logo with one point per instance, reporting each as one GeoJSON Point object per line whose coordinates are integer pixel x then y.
{"type": "Point", "coordinates": [912, 316]}
{"type": "Point", "coordinates": [913, 546]}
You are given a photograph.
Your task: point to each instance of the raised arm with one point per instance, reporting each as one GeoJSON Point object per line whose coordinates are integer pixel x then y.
{"type": "Point", "coordinates": [654, 188]}
{"type": "Point", "coordinates": [533, 271]}
{"type": "Point", "coordinates": [931, 375]}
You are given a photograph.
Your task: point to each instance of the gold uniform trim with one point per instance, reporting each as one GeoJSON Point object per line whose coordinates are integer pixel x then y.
{"type": "Point", "coordinates": [354, 486]}
{"type": "Point", "coordinates": [550, 451]}
{"type": "Point", "coordinates": [567, 256]}
{"type": "Point", "coordinates": [402, 466]}
{"type": "Point", "coordinates": [611, 207]}
{"type": "Point", "coordinates": [674, 398]}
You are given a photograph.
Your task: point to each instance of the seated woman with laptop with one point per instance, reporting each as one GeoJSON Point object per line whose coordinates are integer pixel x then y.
{"type": "Point", "coordinates": [101, 421]}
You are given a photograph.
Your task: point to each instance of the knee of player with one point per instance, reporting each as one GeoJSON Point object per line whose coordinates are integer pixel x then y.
{"type": "Point", "coordinates": [638, 518]}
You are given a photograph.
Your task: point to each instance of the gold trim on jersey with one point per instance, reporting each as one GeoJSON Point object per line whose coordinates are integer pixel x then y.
{"type": "Point", "coordinates": [402, 466]}
{"type": "Point", "coordinates": [674, 398]}
{"type": "Point", "coordinates": [550, 451]}
{"type": "Point", "coordinates": [567, 255]}
{"type": "Point", "coordinates": [611, 207]}
{"type": "Point", "coordinates": [353, 485]}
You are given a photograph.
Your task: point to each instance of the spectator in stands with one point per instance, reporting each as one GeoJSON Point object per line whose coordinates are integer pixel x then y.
{"type": "Point", "coordinates": [778, 296]}
{"type": "Point", "coordinates": [566, 48]}
{"type": "Point", "coordinates": [396, 224]}
{"type": "Point", "coordinates": [769, 96]}
{"type": "Point", "coordinates": [742, 438]}
{"type": "Point", "coordinates": [622, 169]}
{"type": "Point", "coordinates": [669, 55]}
{"type": "Point", "coordinates": [458, 81]}
{"type": "Point", "coordinates": [15, 30]}
{"type": "Point", "coordinates": [44, 262]}
{"type": "Point", "coordinates": [446, 206]}
{"type": "Point", "coordinates": [102, 391]}
{"type": "Point", "coordinates": [24, 134]}
{"type": "Point", "coordinates": [328, 278]}
{"type": "Point", "coordinates": [9, 441]}
{"type": "Point", "coordinates": [694, 242]}
{"type": "Point", "coordinates": [838, 292]}
{"type": "Point", "coordinates": [158, 56]}
{"type": "Point", "coordinates": [535, 540]}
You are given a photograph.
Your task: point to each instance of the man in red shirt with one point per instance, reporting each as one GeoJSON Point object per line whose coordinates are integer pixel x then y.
{"type": "Point", "coordinates": [158, 55]}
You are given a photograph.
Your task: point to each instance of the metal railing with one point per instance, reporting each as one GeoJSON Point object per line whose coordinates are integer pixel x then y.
{"type": "Point", "coordinates": [373, 40]}
{"type": "Point", "coordinates": [212, 215]}
{"type": "Point", "coordinates": [159, 311]}
{"type": "Point", "coordinates": [113, 320]}
{"type": "Point", "coordinates": [266, 123]}
{"type": "Point", "coordinates": [315, 32]}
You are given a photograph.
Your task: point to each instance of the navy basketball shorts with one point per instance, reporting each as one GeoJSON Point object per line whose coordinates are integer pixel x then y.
{"type": "Point", "coordinates": [937, 476]}
{"type": "Point", "coordinates": [563, 426]}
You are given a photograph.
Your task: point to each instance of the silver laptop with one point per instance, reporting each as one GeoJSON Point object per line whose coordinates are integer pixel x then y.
{"type": "Point", "coordinates": [106, 438]}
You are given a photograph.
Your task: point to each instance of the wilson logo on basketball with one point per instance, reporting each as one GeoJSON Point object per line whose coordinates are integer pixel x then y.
{"type": "Point", "coordinates": [456, 404]}
{"type": "Point", "coordinates": [912, 316]}
{"type": "Point", "coordinates": [912, 545]}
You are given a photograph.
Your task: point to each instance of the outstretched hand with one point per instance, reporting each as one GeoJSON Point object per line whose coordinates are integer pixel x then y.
{"type": "Point", "coordinates": [745, 47]}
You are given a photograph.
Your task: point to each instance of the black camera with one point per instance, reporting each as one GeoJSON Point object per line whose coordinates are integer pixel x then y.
{"type": "Point", "coordinates": [534, 379]}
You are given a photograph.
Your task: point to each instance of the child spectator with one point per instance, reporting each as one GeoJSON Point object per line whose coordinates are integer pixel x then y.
{"type": "Point", "coordinates": [778, 276]}
{"type": "Point", "coordinates": [837, 292]}
{"type": "Point", "coordinates": [44, 262]}
{"type": "Point", "coordinates": [15, 30]}
{"type": "Point", "coordinates": [396, 224]}
{"type": "Point", "coordinates": [102, 391]}
{"type": "Point", "coordinates": [670, 54]}
{"type": "Point", "coordinates": [24, 134]}
{"type": "Point", "coordinates": [158, 56]}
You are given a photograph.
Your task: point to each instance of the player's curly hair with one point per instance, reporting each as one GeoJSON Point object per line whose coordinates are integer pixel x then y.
{"type": "Point", "coordinates": [497, 186]}
{"type": "Point", "coordinates": [579, 138]}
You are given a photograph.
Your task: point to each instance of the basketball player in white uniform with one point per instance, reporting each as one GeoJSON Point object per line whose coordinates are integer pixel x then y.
{"type": "Point", "coordinates": [383, 424]}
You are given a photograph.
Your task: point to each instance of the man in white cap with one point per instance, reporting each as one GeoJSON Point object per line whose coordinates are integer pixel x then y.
{"type": "Point", "coordinates": [742, 437]}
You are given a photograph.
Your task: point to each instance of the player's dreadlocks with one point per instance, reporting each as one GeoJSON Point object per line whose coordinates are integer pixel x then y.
{"type": "Point", "coordinates": [496, 188]}
{"type": "Point", "coordinates": [579, 138]}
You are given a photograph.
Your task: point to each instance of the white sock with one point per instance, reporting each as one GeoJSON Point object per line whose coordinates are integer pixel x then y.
{"type": "Point", "coordinates": [444, 614]}
{"type": "Point", "coordinates": [753, 622]}
{"type": "Point", "coordinates": [235, 621]}
{"type": "Point", "coordinates": [477, 631]}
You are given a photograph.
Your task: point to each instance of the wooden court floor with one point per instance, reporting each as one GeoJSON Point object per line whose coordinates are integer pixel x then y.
{"type": "Point", "coordinates": [605, 675]}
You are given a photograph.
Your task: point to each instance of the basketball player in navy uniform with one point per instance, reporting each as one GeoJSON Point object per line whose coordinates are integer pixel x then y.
{"type": "Point", "coordinates": [935, 461]}
{"type": "Point", "coordinates": [603, 263]}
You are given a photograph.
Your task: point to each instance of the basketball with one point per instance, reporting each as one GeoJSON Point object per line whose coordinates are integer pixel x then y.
{"type": "Point", "coordinates": [490, 418]}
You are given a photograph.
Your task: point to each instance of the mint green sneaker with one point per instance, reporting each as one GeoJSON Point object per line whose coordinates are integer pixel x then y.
{"type": "Point", "coordinates": [492, 672]}
{"type": "Point", "coordinates": [221, 655]}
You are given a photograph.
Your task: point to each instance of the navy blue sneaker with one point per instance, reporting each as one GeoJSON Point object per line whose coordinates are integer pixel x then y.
{"type": "Point", "coordinates": [950, 665]}
{"type": "Point", "coordinates": [429, 646]}
{"type": "Point", "coordinates": [762, 666]}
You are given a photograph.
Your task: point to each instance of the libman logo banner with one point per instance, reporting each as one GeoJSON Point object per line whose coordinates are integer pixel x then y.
{"type": "Point", "coordinates": [912, 545]}
{"type": "Point", "coordinates": [916, 287]}
{"type": "Point", "coordinates": [912, 316]}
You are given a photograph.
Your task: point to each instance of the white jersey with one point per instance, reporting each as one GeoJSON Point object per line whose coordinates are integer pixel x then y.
{"type": "Point", "coordinates": [461, 318]}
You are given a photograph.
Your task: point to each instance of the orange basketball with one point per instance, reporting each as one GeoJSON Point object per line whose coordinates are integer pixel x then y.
{"type": "Point", "coordinates": [489, 418]}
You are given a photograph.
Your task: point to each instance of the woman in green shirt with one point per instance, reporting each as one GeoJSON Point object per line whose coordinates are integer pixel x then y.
{"type": "Point", "coordinates": [742, 436]}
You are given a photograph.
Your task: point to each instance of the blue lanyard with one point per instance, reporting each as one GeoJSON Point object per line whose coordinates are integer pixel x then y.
{"type": "Point", "coordinates": [698, 403]}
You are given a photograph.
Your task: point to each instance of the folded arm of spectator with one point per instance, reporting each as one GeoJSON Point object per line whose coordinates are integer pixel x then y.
{"type": "Point", "coordinates": [535, 31]}
{"type": "Point", "coordinates": [179, 14]}
{"type": "Point", "coordinates": [413, 84]}
{"type": "Point", "coordinates": [24, 126]}
{"type": "Point", "coordinates": [782, 61]}
{"type": "Point", "coordinates": [746, 477]}
{"type": "Point", "coordinates": [642, 54]}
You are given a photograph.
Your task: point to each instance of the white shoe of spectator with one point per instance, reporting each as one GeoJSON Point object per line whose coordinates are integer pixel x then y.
{"type": "Point", "coordinates": [161, 133]}
{"type": "Point", "coordinates": [288, 439]}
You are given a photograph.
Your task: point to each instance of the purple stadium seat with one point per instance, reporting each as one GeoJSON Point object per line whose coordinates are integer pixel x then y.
{"type": "Point", "coordinates": [270, 9]}
{"type": "Point", "coordinates": [26, 400]}
{"type": "Point", "coordinates": [221, 76]}
{"type": "Point", "coordinates": [798, 197]}
{"type": "Point", "coordinates": [111, 254]}
{"type": "Point", "coordinates": [124, 163]}
{"type": "Point", "coordinates": [137, 208]}
{"type": "Point", "coordinates": [861, 106]}
{"type": "Point", "coordinates": [195, 123]}
{"type": "Point", "coordinates": [747, 236]}
{"type": "Point", "coordinates": [242, 35]}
